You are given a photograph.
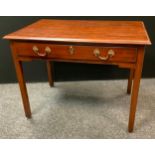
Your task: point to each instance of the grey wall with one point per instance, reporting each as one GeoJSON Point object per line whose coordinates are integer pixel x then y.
{"type": "Point", "coordinates": [36, 71]}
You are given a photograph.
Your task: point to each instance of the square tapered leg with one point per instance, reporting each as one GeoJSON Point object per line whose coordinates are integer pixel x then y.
{"type": "Point", "coordinates": [135, 89]}
{"type": "Point", "coordinates": [50, 73]}
{"type": "Point", "coordinates": [130, 80]}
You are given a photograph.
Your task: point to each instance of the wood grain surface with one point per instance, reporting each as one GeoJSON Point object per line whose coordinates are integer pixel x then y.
{"type": "Point", "coordinates": [109, 32]}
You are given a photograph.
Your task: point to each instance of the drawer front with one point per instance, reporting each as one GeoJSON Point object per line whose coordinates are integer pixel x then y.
{"type": "Point", "coordinates": [84, 53]}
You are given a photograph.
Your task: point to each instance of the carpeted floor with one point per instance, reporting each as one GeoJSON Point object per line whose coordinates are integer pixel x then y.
{"type": "Point", "coordinates": [92, 109]}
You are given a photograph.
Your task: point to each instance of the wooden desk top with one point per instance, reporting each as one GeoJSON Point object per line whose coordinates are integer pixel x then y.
{"type": "Point", "coordinates": [106, 32]}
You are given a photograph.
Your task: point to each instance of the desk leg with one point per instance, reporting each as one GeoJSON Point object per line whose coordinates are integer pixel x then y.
{"type": "Point", "coordinates": [22, 85]}
{"type": "Point", "coordinates": [21, 81]}
{"type": "Point", "coordinates": [50, 73]}
{"type": "Point", "coordinates": [130, 81]}
{"type": "Point", "coordinates": [135, 89]}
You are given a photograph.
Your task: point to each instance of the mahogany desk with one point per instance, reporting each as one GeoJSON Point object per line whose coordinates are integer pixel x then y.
{"type": "Point", "coordinates": [118, 43]}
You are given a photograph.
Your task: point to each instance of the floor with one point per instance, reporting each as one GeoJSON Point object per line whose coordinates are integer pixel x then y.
{"type": "Point", "coordinates": [92, 109]}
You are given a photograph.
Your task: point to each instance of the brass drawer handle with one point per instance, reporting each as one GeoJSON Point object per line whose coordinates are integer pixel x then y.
{"type": "Point", "coordinates": [36, 51]}
{"type": "Point", "coordinates": [71, 50]}
{"type": "Point", "coordinates": [110, 54]}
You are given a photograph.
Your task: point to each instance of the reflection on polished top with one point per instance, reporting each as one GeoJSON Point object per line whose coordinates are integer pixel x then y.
{"type": "Point", "coordinates": [108, 32]}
